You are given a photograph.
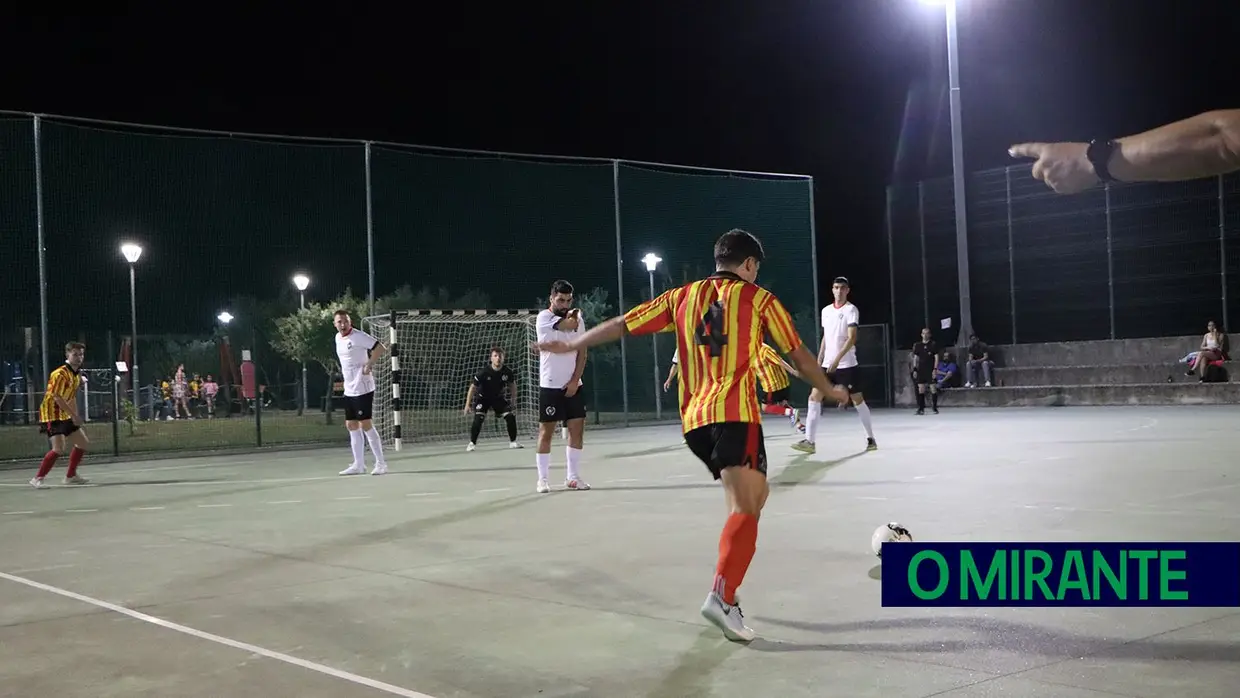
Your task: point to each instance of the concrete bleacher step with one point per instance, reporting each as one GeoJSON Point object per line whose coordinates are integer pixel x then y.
{"type": "Point", "coordinates": [1108, 351]}
{"type": "Point", "coordinates": [1067, 395]}
{"type": "Point", "coordinates": [1103, 374]}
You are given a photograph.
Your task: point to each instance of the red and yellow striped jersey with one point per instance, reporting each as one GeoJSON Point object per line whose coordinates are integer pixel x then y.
{"type": "Point", "coordinates": [720, 323]}
{"type": "Point", "coordinates": [772, 375]}
{"type": "Point", "coordinates": [64, 382]}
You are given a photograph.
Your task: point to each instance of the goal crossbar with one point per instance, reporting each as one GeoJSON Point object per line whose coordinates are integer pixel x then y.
{"type": "Point", "coordinates": [434, 354]}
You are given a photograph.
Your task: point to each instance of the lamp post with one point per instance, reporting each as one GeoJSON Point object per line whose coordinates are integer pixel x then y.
{"type": "Point", "coordinates": [962, 231]}
{"type": "Point", "coordinates": [651, 260]}
{"type": "Point", "coordinates": [302, 282]}
{"type": "Point", "coordinates": [132, 253]}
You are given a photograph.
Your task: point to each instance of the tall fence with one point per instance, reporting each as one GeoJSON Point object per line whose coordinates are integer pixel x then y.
{"type": "Point", "coordinates": [225, 220]}
{"type": "Point", "coordinates": [1121, 261]}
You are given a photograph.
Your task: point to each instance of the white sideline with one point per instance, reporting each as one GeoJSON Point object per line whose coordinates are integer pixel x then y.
{"type": "Point", "coordinates": [236, 644]}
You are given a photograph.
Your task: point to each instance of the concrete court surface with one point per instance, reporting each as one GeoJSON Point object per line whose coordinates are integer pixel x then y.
{"type": "Point", "coordinates": [270, 576]}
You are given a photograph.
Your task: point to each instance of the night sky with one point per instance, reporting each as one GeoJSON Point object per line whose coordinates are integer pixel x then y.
{"type": "Point", "coordinates": [829, 88]}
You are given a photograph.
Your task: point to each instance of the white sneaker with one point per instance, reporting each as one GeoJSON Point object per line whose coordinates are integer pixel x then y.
{"type": "Point", "coordinates": [543, 487]}
{"type": "Point", "coordinates": [805, 446]}
{"type": "Point", "coordinates": [379, 469]}
{"type": "Point", "coordinates": [514, 444]}
{"type": "Point", "coordinates": [792, 417]}
{"type": "Point", "coordinates": [76, 480]}
{"type": "Point", "coordinates": [576, 484]}
{"type": "Point", "coordinates": [987, 384]}
{"type": "Point", "coordinates": [355, 469]}
{"type": "Point", "coordinates": [968, 385]}
{"type": "Point", "coordinates": [727, 617]}
{"type": "Point", "coordinates": [37, 483]}
{"type": "Point", "coordinates": [471, 448]}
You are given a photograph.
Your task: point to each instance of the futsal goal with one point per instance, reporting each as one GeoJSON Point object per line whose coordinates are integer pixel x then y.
{"type": "Point", "coordinates": [420, 392]}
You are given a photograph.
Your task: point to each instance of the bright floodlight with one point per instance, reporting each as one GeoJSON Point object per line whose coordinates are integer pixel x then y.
{"type": "Point", "coordinates": [224, 317]}
{"type": "Point", "coordinates": [936, 2]}
{"type": "Point", "coordinates": [651, 260]}
{"type": "Point", "coordinates": [301, 281]}
{"type": "Point", "coordinates": [132, 252]}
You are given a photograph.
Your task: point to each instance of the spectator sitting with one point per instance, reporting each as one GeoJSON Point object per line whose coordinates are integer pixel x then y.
{"type": "Point", "coordinates": [979, 357]}
{"type": "Point", "coordinates": [1213, 348]}
{"type": "Point", "coordinates": [946, 374]}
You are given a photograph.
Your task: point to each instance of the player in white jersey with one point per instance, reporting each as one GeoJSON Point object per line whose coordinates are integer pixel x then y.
{"type": "Point", "coordinates": [358, 353]}
{"type": "Point", "coordinates": [559, 387]}
{"type": "Point", "coordinates": [838, 356]}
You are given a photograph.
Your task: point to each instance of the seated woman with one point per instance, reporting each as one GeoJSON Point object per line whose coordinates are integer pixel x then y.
{"type": "Point", "coordinates": [1213, 348]}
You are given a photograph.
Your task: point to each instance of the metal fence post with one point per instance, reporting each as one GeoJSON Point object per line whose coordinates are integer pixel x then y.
{"type": "Point", "coordinates": [921, 224]}
{"type": "Point", "coordinates": [1007, 176]}
{"type": "Point", "coordinates": [891, 262]}
{"type": "Point", "coordinates": [38, 204]}
{"type": "Point", "coordinates": [624, 356]}
{"type": "Point", "coordinates": [1222, 245]}
{"type": "Point", "coordinates": [813, 259]}
{"type": "Point", "coordinates": [370, 237]}
{"type": "Point", "coordinates": [1110, 262]}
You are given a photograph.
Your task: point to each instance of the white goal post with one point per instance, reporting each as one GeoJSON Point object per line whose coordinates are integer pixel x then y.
{"type": "Point", "coordinates": [420, 393]}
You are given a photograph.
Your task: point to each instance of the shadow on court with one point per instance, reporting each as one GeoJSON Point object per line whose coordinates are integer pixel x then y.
{"type": "Point", "coordinates": [803, 471]}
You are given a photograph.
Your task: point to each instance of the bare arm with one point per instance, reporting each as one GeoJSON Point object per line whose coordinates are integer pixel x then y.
{"type": "Point", "coordinates": [512, 389]}
{"type": "Point", "coordinates": [469, 396]}
{"type": "Point", "coordinates": [580, 368]}
{"type": "Point", "coordinates": [1202, 146]}
{"type": "Point", "coordinates": [848, 344]}
{"type": "Point", "coordinates": [376, 353]}
{"type": "Point", "coordinates": [790, 369]}
{"type": "Point", "coordinates": [672, 372]}
{"type": "Point", "coordinates": [804, 361]}
{"type": "Point", "coordinates": [64, 405]}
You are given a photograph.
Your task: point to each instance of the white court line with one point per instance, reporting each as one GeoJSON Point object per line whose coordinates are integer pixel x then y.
{"type": "Point", "coordinates": [286, 501]}
{"type": "Point", "coordinates": [494, 489]}
{"type": "Point", "coordinates": [80, 511]}
{"type": "Point", "coordinates": [16, 513]}
{"type": "Point", "coordinates": [213, 506]}
{"type": "Point", "coordinates": [146, 508]}
{"type": "Point", "coordinates": [360, 496]}
{"type": "Point", "coordinates": [421, 494]}
{"type": "Point", "coordinates": [235, 644]}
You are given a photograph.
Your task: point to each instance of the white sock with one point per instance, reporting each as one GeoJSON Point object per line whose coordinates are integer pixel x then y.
{"type": "Point", "coordinates": [376, 445]}
{"type": "Point", "coordinates": [573, 455]}
{"type": "Point", "coordinates": [358, 444]}
{"type": "Point", "coordinates": [863, 411]}
{"type": "Point", "coordinates": [544, 465]}
{"type": "Point", "coordinates": [811, 421]}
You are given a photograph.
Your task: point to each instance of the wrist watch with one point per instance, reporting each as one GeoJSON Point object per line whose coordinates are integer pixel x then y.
{"type": "Point", "coordinates": [1099, 155]}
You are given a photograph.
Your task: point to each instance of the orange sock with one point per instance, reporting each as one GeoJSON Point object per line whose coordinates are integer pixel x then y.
{"type": "Point", "coordinates": [737, 545]}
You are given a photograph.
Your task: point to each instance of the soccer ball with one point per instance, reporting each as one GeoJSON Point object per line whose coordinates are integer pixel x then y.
{"type": "Point", "coordinates": [889, 533]}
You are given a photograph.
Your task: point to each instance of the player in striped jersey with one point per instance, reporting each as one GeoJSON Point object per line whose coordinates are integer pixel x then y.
{"type": "Point", "coordinates": [773, 378]}
{"type": "Point", "coordinates": [720, 323]}
{"type": "Point", "coordinates": [58, 417]}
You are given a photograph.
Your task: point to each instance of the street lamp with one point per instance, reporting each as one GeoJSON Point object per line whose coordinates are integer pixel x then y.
{"type": "Point", "coordinates": [962, 231]}
{"type": "Point", "coordinates": [132, 252]}
{"type": "Point", "coordinates": [651, 260]}
{"type": "Point", "coordinates": [302, 282]}
{"type": "Point", "coordinates": [224, 317]}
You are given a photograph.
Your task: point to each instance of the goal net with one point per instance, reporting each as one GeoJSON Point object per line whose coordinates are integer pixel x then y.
{"type": "Point", "coordinates": [420, 393]}
{"type": "Point", "coordinates": [95, 398]}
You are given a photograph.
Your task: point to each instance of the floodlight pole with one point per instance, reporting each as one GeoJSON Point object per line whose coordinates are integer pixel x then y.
{"type": "Point", "coordinates": [654, 343]}
{"type": "Point", "coordinates": [958, 180]}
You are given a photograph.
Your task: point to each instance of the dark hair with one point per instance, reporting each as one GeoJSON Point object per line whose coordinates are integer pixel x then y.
{"type": "Point", "coordinates": [561, 286]}
{"type": "Point", "coordinates": [340, 312]}
{"type": "Point", "coordinates": [70, 346]}
{"type": "Point", "coordinates": [841, 280]}
{"type": "Point", "coordinates": [500, 350]}
{"type": "Point", "coordinates": [735, 246]}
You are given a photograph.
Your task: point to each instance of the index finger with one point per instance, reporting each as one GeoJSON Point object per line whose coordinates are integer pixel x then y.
{"type": "Point", "coordinates": [1027, 150]}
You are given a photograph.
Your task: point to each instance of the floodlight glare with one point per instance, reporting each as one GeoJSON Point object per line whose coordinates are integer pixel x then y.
{"type": "Point", "coordinates": [651, 260]}
{"type": "Point", "coordinates": [132, 252]}
{"type": "Point", "coordinates": [224, 317]}
{"type": "Point", "coordinates": [301, 281]}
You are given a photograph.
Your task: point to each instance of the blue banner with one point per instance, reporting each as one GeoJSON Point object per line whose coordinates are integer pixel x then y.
{"type": "Point", "coordinates": [1061, 574]}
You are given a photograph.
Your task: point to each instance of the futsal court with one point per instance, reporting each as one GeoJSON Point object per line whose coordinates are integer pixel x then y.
{"type": "Point", "coordinates": [269, 575]}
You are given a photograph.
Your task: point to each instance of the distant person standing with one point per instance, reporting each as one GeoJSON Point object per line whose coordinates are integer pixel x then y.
{"type": "Point", "coordinates": [358, 352]}
{"type": "Point", "coordinates": [925, 358]}
{"type": "Point", "coordinates": [838, 356]}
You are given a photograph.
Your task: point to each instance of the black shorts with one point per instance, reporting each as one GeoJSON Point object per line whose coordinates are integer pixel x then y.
{"type": "Point", "coordinates": [849, 377]}
{"type": "Point", "coordinates": [359, 408]}
{"type": "Point", "coordinates": [59, 427]}
{"type": "Point", "coordinates": [779, 396]}
{"type": "Point", "coordinates": [555, 406]}
{"type": "Point", "coordinates": [729, 445]}
{"type": "Point", "coordinates": [498, 405]}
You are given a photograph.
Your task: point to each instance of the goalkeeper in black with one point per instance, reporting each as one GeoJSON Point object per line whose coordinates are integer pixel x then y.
{"type": "Point", "coordinates": [494, 388]}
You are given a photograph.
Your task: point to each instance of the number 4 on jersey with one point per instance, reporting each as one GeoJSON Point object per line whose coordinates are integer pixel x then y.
{"type": "Point", "coordinates": [710, 332]}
